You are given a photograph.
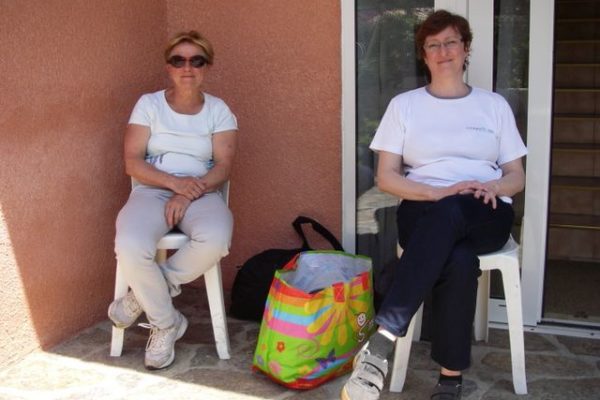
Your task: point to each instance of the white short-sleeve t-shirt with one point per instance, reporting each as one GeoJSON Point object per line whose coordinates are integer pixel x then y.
{"type": "Point", "coordinates": [445, 141]}
{"type": "Point", "coordinates": [181, 144]}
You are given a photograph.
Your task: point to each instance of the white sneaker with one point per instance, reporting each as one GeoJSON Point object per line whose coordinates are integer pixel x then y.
{"type": "Point", "coordinates": [124, 311]}
{"type": "Point", "coordinates": [160, 350]}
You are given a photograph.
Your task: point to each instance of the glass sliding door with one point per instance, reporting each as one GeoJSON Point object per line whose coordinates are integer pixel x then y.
{"type": "Point", "coordinates": [512, 55]}
{"type": "Point", "coordinates": [510, 79]}
{"type": "Point", "coordinates": [387, 65]}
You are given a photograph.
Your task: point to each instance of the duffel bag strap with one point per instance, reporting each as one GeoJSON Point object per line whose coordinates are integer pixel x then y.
{"type": "Point", "coordinates": [317, 227]}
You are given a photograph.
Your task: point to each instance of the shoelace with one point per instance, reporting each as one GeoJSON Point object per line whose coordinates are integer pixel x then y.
{"type": "Point", "coordinates": [157, 337]}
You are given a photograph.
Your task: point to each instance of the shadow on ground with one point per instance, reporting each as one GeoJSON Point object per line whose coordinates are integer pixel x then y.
{"type": "Point", "coordinates": [81, 368]}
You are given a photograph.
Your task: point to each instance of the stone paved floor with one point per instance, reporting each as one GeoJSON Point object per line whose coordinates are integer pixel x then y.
{"type": "Point", "coordinates": [81, 368]}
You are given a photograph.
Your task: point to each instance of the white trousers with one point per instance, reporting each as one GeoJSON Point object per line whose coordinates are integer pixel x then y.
{"type": "Point", "coordinates": [141, 224]}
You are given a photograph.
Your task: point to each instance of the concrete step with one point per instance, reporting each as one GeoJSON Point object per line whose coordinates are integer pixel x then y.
{"type": "Point", "coordinates": [574, 237]}
{"type": "Point", "coordinates": [573, 244]}
{"type": "Point", "coordinates": [569, 128]}
{"type": "Point", "coordinates": [575, 221]}
{"type": "Point", "coordinates": [579, 196]}
{"type": "Point", "coordinates": [576, 160]}
{"type": "Point", "coordinates": [578, 76]}
{"type": "Point", "coordinates": [577, 51]}
{"type": "Point", "coordinates": [577, 28]}
{"type": "Point", "coordinates": [577, 101]}
{"type": "Point", "coordinates": [577, 9]}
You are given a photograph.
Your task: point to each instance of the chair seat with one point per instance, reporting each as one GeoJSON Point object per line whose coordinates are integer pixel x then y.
{"type": "Point", "coordinates": [511, 249]}
{"type": "Point", "coordinates": [172, 240]}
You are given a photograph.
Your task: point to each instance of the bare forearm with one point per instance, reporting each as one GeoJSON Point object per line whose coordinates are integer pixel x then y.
{"type": "Point", "coordinates": [510, 184]}
{"type": "Point", "coordinates": [396, 184]}
{"type": "Point", "coordinates": [147, 174]}
{"type": "Point", "coordinates": [399, 186]}
{"type": "Point", "coordinates": [216, 176]}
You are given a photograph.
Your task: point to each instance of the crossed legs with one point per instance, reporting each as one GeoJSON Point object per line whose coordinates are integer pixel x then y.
{"type": "Point", "coordinates": [140, 225]}
{"type": "Point", "coordinates": [441, 241]}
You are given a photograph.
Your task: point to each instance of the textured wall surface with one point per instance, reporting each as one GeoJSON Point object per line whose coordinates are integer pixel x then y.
{"type": "Point", "coordinates": [278, 67]}
{"type": "Point", "coordinates": [71, 71]}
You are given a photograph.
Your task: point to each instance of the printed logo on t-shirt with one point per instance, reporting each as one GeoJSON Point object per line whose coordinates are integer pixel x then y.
{"type": "Point", "coordinates": [481, 129]}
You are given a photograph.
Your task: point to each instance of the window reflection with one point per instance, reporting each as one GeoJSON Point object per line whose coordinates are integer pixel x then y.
{"type": "Point", "coordinates": [386, 66]}
{"type": "Point", "coordinates": [511, 66]}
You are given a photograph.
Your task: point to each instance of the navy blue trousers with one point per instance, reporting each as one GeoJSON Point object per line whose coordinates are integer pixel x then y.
{"type": "Point", "coordinates": [441, 241]}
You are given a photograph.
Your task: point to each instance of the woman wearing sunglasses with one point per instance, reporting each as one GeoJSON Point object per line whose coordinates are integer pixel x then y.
{"type": "Point", "coordinates": [452, 153]}
{"type": "Point", "coordinates": [179, 147]}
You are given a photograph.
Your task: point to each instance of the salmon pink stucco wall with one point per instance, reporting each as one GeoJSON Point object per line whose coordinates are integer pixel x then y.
{"type": "Point", "coordinates": [71, 71]}
{"type": "Point", "coordinates": [278, 67]}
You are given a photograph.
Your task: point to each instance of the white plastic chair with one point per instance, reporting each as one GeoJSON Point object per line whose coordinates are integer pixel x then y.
{"type": "Point", "coordinates": [214, 291]}
{"type": "Point", "coordinates": [507, 261]}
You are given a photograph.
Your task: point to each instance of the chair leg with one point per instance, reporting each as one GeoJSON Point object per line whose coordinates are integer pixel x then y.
{"type": "Point", "coordinates": [116, 342]}
{"type": "Point", "coordinates": [402, 354]}
{"type": "Point", "coordinates": [481, 308]}
{"type": "Point", "coordinates": [418, 321]}
{"type": "Point", "coordinates": [216, 303]}
{"type": "Point", "coordinates": [161, 255]}
{"type": "Point", "coordinates": [514, 309]}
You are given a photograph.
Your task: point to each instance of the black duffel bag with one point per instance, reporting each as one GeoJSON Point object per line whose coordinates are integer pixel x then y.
{"type": "Point", "coordinates": [253, 279]}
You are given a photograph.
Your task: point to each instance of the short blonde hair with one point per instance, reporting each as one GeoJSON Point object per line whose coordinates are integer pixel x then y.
{"type": "Point", "coordinates": [192, 37]}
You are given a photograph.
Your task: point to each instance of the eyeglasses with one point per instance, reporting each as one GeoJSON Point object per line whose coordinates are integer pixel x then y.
{"type": "Point", "coordinates": [180, 61]}
{"type": "Point", "coordinates": [435, 47]}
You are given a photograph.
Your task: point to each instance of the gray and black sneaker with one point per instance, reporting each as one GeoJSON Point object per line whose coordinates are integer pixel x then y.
{"type": "Point", "coordinates": [367, 379]}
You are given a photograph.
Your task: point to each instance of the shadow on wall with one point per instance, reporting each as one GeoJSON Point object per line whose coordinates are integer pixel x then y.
{"type": "Point", "coordinates": [71, 79]}
{"type": "Point", "coordinates": [74, 72]}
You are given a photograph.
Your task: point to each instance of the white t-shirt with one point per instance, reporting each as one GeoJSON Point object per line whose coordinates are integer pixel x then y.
{"type": "Point", "coordinates": [445, 141]}
{"type": "Point", "coordinates": [181, 144]}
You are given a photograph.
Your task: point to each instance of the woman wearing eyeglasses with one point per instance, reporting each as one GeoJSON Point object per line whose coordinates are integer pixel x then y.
{"type": "Point", "coordinates": [452, 153]}
{"type": "Point", "coordinates": [179, 148]}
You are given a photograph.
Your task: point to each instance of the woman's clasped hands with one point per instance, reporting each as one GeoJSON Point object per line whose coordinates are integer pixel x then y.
{"type": "Point", "coordinates": [486, 190]}
{"type": "Point", "coordinates": [190, 187]}
{"type": "Point", "coordinates": [187, 189]}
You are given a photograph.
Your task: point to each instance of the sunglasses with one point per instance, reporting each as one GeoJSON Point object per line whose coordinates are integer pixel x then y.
{"type": "Point", "coordinates": [180, 61]}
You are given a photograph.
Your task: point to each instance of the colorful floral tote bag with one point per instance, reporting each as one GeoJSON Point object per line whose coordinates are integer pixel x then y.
{"type": "Point", "coordinates": [318, 314]}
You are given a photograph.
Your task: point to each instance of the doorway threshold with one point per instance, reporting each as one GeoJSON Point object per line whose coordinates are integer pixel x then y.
{"type": "Point", "coordinates": [554, 328]}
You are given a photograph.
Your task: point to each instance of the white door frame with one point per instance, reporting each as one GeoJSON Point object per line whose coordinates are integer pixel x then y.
{"type": "Point", "coordinates": [348, 126]}
{"type": "Point", "coordinates": [539, 122]}
{"type": "Point", "coordinates": [539, 138]}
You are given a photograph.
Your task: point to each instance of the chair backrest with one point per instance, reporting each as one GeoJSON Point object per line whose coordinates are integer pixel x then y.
{"type": "Point", "coordinates": [225, 191]}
